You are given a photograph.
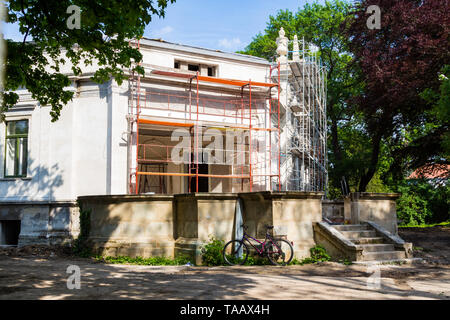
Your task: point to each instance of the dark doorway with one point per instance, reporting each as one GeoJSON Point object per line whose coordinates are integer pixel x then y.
{"type": "Point", "coordinates": [9, 232]}
{"type": "Point", "coordinates": [202, 181]}
{"type": "Point", "coordinates": [150, 183]}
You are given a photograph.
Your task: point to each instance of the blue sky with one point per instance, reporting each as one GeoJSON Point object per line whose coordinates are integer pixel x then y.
{"type": "Point", "coordinates": [226, 25]}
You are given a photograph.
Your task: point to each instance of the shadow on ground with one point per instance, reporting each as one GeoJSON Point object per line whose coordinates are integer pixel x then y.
{"type": "Point", "coordinates": [31, 277]}
{"type": "Point", "coordinates": [28, 278]}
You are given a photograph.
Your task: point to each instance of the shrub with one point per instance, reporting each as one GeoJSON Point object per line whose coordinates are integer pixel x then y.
{"type": "Point", "coordinates": [80, 245]}
{"type": "Point", "coordinates": [319, 254]}
{"type": "Point", "coordinates": [212, 252]}
{"type": "Point", "coordinates": [422, 203]}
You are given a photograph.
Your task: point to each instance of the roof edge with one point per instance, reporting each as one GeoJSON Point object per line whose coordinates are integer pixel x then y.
{"type": "Point", "coordinates": [199, 50]}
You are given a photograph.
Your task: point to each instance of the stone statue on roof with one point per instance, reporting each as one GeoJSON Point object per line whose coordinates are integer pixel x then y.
{"type": "Point", "coordinates": [282, 47]}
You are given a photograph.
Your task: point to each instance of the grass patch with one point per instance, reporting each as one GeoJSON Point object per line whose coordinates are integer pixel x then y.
{"type": "Point", "coordinates": [152, 261]}
{"type": "Point", "coordinates": [256, 260]}
{"type": "Point", "coordinates": [443, 224]}
{"type": "Point", "coordinates": [420, 249]}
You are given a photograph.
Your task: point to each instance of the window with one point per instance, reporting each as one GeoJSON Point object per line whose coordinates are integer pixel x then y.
{"type": "Point", "coordinates": [211, 72]}
{"type": "Point", "coordinates": [193, 67]}
{"type": "Point", "coordinates": [16, 155]}
{"type": "Point", "coordinates": [203, 69]}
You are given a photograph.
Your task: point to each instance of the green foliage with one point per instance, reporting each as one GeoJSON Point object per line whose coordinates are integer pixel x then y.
{"type": "Point", "coordinates": [318, 254]}
{"type": "Point", "coordinates": [257, 260]}
{"type": "Point", "coordinates": [422, 203]}
{"type": "Point", "coordinates": [441, 108]}
{"type": "Point", "coordinates": [412, 209]}
{"type": "Point", "coordinates": [106, 26]}
{"type": "Point", "coordinates": [212, 252]}
{"type": "Point", "coordinates": [152, 261]}
{"type": "Point", "coordinates": [80, 245]}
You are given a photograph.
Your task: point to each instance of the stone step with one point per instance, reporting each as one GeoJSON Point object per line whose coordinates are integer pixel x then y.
{"type": "Point", "coordinates": [359, 234]}
{"type": "Point", "coordinates": [383, 255]}
{"type": "Point", "coordinates": [371, 240]}
{"type": "Point", "coordinates": [351, 227]}
{"type": "Point", "coordinates": [378, 247]}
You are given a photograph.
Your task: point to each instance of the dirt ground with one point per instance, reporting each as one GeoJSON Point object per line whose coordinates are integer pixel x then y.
{"type": "Point", "coordinates": [431, 244]}
{"type": "Point", "coordinates": [41, 273]}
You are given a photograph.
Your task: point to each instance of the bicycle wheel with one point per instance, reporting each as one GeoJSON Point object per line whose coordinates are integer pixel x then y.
{"type": "Point", "coordinates": [280, 252]}
{"type": "Point", "coordinates": [235, 252]}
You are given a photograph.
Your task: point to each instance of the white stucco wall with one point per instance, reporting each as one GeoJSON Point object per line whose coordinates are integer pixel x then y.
{"type": "Point", "coordinates": [80, 154]}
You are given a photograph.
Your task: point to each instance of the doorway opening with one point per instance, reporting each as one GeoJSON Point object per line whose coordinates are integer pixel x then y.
{"type": "Point", "coordinates": [9, 232]}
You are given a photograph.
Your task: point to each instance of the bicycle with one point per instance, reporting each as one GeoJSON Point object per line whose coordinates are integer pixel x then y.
{"type": "Point", "coordinates": [278, 251]}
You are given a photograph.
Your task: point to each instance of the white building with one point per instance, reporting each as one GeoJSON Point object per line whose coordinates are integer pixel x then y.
{"type": "Point", "coordinates": [108, 137]}
{"type": "Point", "coordinates": [86, 151]}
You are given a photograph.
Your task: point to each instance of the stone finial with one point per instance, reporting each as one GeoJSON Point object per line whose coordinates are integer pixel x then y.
{"type": "Point", "coordinates": [296, 49]}
{"type": "Point", "coordinates": [282, 47]}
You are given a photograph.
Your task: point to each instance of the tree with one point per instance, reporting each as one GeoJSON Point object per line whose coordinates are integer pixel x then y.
{"type": "Point", "coordinates": [103, 38]}
{"type": "Point", "coordinates": [399, 62]}
{"type": "Point", "coordinates": [321, 25]}
{"type": "Point", "coordinates": [429, 146]}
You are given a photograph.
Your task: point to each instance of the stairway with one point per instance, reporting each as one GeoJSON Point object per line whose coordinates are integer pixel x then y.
{"type": "Point", "coordinates": [375, 247]}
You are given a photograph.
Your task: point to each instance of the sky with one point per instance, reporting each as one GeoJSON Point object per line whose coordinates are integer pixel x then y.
{"type": "Point", "coordinates": [226, 25]}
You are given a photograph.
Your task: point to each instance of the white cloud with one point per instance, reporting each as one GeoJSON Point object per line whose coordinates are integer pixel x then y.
{"type": "Point", "coordinates": [166, 30]}
{"type": "Point", "coordinates": [162, 32]}
{"type": "Point", "coordinates": [230, 43]}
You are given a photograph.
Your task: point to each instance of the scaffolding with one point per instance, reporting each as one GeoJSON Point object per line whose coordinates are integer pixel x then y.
{"type": "Point", "coordinates": [304, 140]}
{"type": "Point", "coordinates": [245, 115]}
{"type": "Point", "coordinates": [238, 135]}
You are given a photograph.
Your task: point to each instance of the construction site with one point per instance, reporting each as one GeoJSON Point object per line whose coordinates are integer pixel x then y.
{"type": "Point", "coordinates": [192, 131]}
{"type": "Point", "coordinates": [199, 143]}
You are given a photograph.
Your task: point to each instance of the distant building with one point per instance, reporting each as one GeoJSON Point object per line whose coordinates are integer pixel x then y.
{"type": "Point", "coordinates": [436, 174]}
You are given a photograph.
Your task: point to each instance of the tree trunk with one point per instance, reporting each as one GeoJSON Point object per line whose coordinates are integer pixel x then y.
{"type": "Point", "coordinates": [335, 139]}
{"type": "Point", "coordinates": [365, 179]}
